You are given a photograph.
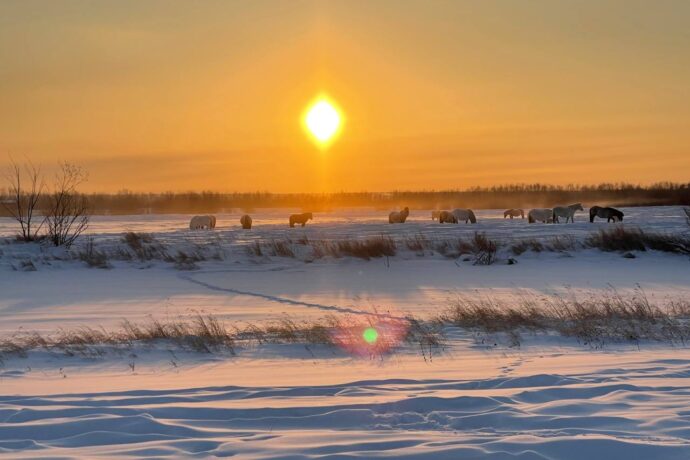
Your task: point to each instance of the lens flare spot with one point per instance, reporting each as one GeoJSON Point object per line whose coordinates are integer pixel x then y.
{"type": "Point", "coordinates": [370, 335]}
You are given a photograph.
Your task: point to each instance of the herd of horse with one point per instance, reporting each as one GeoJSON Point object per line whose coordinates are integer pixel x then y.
{"type": "Point", "coordinates": [544, 215]}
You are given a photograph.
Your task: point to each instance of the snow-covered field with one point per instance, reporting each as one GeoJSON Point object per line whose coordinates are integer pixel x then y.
{"type": "Point", "coordinates": [551, 397]}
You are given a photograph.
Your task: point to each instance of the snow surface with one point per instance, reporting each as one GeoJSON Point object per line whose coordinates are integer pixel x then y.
{"type": "Point", "coordinates": [478, 398]}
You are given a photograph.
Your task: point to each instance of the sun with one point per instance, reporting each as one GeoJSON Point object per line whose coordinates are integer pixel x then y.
{"type": "Point", "coordinates": [323, 121]}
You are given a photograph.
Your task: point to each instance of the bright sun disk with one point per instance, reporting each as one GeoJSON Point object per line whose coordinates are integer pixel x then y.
{"type": "Point", "coordinates": [322, 121]}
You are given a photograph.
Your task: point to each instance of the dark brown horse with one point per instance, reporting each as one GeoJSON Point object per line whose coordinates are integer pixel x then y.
{"type": "Point", "coordinates": [300, 219]}
{"type": "Point", "coordinates": [610, 214]}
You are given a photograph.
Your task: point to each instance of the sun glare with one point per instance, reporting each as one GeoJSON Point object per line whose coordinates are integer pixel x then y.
{"type": "Point", "coordinates": [323, 121]}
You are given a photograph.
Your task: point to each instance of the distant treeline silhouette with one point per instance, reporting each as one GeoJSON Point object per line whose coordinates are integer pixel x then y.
{"type": "Point", "coordinates": [496, 197]}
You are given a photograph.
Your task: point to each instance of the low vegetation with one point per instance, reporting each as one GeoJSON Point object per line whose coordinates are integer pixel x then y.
{"type": "Point", "coordinates": [620, 238]}
{"type": "Point", "coordinates": [208, 334]}
{"type": "Point", "coordinates": [596, 320]}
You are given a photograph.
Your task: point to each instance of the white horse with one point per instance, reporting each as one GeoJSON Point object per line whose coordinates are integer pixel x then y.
{"type": "Point", "coordinates": [466, 215]}
{"type": "Point", "coordinates": [202, 222]}
{"type": "Point", "coordinates": [544, 215]}
{"type": "Point", "coordinates": [246, 222]}
{"type": "Point", "coordinates": [399, 217]}
{"type": "Point", "coordinates": [435, 214]}
{"type": "Point", "coordinates": [566, 211]}
{"type": "Point", "coordinates": [514, 213]}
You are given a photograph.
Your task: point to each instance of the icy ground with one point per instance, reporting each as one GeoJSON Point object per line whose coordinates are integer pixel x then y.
{"type": "Point", "coordinates": [478, 398]}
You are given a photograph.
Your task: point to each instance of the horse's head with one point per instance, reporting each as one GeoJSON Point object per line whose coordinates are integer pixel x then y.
{"type": "Point", "coordinates": [308, 215]}
{"type": "Point", "coordinates": [578, 207]}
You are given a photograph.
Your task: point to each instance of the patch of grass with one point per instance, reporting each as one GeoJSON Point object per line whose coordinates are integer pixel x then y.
{"type": "Point", "coordinates": [417, 243]}
{"type": "Point", "coordinates": [620, 238]}
{"type": "Point", "coordinates": [281, 248]}
{"type": "Point", "coordinates": [93, 257]}
{"type": "Point", "coordinates": [207, 334]}
{"type": "Point", "coordinates": [144, 246]}
{"type": "Point", "coordinates": [606, 317]}
{"type": "Point", "coordinates": [373, 247]}
{"type": "Point", "coordinates": [186, 261]}
{"type": "Point", "coordinates": [254, 249]}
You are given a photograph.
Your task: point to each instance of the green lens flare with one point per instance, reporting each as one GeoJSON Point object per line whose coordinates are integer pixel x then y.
{"type": "Point", "coordinates": [370, 335]}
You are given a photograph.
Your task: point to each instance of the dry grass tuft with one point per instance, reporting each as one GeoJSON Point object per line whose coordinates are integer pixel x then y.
{"type": "Point", "coordinates": [620, 238]}
{"type": "Point", "coordinates": [609, 317]}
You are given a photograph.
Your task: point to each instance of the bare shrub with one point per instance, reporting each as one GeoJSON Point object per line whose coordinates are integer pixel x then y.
{"type": "Point", "coordinates": [25, 186]}
{"type": "Point", "coordinates": [67, 211]}
{"type": "Point", "coordinates": [428, 335]}
{"type": "Point", "coordinates": [484, 249]}
{"type": "Point", "coordinates": [93, 257]}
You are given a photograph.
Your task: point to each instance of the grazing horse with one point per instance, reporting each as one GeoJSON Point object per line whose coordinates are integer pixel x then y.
{"type": "Point", "coordinates": [300, 219]}
{"type": "Point", "coordinates": [446, 217]}
{"type": "Point", "coordinates": [465, 214]}
{"type": "Point", "coordinates": [566, 211]}
{"type": "Point", "coordinates": [399, 217]}
{"type": "Point", "coordinates": [435, 214]}
{"type": "Point", "coordinates": [514, 213]}
{"type": "Point", "coordinates": [246, 222]}
{"type": "Point", "coordinates": [610, 214]}
{"type": "Point", "coordinates": [544, 215]}
{"type": "Point", "coordinates": [202, 222]}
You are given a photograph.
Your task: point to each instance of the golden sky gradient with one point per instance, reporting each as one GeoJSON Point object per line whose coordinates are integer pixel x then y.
{"type": "Point", "coordinates": [178, 95]}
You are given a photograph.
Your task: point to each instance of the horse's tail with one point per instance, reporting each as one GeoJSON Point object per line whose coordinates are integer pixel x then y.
{"type": "Point", "coordinates": [553, 215]}
{"type": "Point", "coordinates": [530, 218]}
{"type": "Point", "coordinates": [592, 213]}
{"type": "Point", "coordinates": [472, 217]}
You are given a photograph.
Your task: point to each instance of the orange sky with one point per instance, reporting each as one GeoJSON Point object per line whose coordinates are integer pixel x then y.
{"type": "Point", "coordinates": [177, 95]}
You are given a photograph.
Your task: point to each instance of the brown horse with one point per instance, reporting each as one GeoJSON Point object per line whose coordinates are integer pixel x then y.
{"type": "Point", "coordinates": [246, 222]}
{"type": "Point", "coordinates": [399, 217]}
{"type": "Point", "coordinates": [300, 219]}
{"type": "Point", "coordinates": [514, 213]}
{"type": "Point", "coordinates": [447, 217]}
